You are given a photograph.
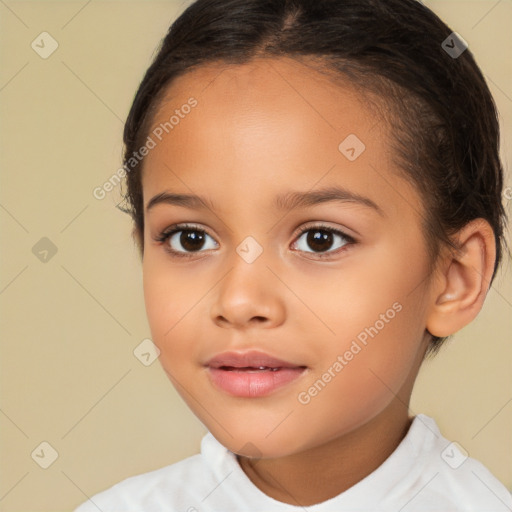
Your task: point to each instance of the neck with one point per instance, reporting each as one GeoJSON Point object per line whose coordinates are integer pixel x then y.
{"type": "Point", "coordinates": [323, 472]}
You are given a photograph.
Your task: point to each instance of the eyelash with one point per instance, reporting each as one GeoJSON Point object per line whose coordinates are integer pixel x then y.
{"type": "Point", "coordinates": [165, 235]}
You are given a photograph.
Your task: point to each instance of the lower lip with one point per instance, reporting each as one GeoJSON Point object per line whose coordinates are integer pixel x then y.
{"type": "Point", "coordinates": [252, 384]}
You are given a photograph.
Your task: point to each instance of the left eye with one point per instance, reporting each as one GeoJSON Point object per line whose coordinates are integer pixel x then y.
{"type": "Point", "coordinates": [322, 239]}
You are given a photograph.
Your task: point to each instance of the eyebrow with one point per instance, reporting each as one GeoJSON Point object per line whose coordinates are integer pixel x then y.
{"type": "Point", "coordinates": [288, 201]}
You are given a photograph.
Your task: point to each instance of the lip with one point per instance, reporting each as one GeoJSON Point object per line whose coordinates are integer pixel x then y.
{"type": "Point", "coordinates": [251, 374]}
{"type": "Point", "coordinates": [250, 358]}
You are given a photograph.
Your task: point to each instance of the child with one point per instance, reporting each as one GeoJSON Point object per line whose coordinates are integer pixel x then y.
{"type": "Point", "coordinates": [316, 196]}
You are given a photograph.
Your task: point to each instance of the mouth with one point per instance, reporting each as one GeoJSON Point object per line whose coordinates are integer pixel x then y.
{"type": "Point", "coordinates": [249, 369]}
{"type": "Point", "coordinates": [251, 374]}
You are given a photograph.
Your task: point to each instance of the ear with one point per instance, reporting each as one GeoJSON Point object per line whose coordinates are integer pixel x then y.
{"type": "Point", "coordinates": [464, 279]}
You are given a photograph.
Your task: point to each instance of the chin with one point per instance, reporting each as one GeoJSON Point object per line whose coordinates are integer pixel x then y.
{"type": "Point", "coordinates": [253, 442]}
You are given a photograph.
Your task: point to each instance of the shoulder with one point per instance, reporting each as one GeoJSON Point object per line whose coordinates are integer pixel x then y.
{"type": "Point", "coordinates": [211, 480]}
{"type": "Point", "coordinates": [449, 475]}
{"type": "Point", "coordinates": [173, 487]}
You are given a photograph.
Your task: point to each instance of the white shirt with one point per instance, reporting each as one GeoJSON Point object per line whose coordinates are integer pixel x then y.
{"type": "Point", "coordinates": [425, 473]}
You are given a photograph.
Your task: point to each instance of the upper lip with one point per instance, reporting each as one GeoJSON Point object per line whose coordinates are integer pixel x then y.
{"type": "Point", "coordinates": [249, 359]}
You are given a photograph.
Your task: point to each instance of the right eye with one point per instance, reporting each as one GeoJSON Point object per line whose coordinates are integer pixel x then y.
{"type": "Point", "coordinates": [183, 240]}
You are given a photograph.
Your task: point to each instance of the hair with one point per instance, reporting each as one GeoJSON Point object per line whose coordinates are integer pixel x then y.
{"type": "Point", "coordinates": [445, 129]}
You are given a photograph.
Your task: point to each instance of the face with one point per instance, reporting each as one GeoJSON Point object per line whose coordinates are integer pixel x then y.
{"type": "Point", "coordinates": [331, 291]}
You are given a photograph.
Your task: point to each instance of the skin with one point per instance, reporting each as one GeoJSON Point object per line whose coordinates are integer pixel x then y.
{"type": "Point", "coordinates": [259, 130]}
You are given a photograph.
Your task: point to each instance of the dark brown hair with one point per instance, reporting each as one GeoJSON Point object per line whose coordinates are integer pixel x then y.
{"type": "Point", "coordinates": [445, 131]}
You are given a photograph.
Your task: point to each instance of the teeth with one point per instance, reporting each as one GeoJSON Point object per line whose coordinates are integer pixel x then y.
{"type": "Point", "coordinates": [252, 368]}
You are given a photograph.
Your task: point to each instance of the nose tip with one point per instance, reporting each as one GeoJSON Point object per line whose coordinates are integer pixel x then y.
{"type": "Point", "coordinates": [245, 297]}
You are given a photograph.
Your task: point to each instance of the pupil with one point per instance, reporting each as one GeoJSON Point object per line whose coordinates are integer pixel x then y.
{"type": "Point", "coordinates": [317, 240]}
{"type": "Point", "coordinates": [191, 240]}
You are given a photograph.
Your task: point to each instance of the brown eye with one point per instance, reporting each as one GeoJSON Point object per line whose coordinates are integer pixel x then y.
{"type": "Point", "coordinates": [319, 240]}
{"type": "Point", "coordinates": [186, 240]}
{"type": "Point", "coordinates": [191, 240]}
{"type": "Point", "coordinates": [322, 239]}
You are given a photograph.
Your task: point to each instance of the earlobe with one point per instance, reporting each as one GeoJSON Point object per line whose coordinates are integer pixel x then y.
{"type": "Point", "coordinates": [460, 292]}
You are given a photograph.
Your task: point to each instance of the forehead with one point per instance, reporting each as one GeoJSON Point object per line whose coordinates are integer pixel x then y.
{"type": "Point", "coordinates": [265, 125]}
{"type": "Point", "coordinates": [275, 85]}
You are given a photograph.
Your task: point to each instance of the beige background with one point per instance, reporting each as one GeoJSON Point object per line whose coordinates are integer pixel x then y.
{"type": "Point", "coordinates": [69, 326]}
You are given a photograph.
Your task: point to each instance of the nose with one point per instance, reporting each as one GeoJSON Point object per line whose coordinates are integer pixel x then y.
{"type": "Point", "coordinates": [250, 295]}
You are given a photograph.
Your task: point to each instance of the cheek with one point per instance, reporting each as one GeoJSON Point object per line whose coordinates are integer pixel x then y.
{"type": "Point", "coordinates": [360, 376]}
{"type": "Point", "coordinates": [376, 322]}
{"type": "Point", "coordinates": [372, 294]}
{"type": "Point", "coordinates": [172, 301]}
